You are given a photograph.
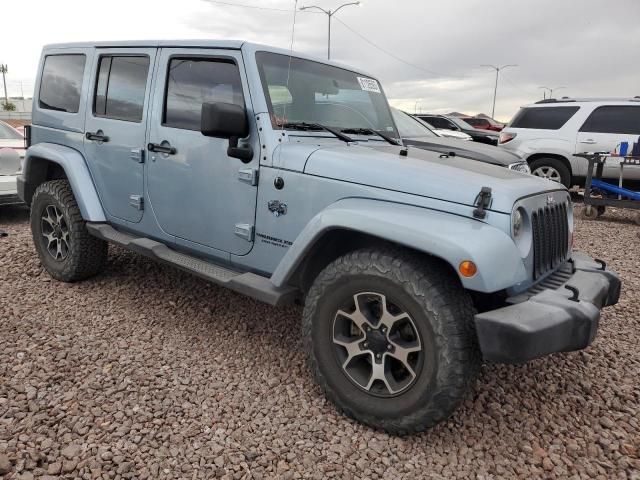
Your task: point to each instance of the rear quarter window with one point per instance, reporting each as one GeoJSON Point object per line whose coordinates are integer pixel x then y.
{"type": "Point", "coordinates": [543, 118]}
{"type": "Point", "coordinates": [622, 119]}
{"type": "Point", "coordinates": [61, 83]}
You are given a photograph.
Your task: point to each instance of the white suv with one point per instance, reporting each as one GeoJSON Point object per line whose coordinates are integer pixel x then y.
{"type": "Point", "coordinates": [550, 132]}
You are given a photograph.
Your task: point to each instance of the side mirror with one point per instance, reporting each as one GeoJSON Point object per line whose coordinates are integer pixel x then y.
{"type": "Point", "coordinates": [223, 120]}
{"type": "Point", "coordinates": [227, 120]}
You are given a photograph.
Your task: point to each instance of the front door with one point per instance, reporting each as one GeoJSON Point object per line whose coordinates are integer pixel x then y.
{"type": "Point", "coordinates": [115, 127]}
{"type": "Point", "coordinates": [196, 190]}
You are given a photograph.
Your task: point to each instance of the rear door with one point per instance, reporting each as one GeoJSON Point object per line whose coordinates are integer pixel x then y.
{"type": "Point", "coordinates": [115, 127]}
{"type": "Point", "coordinates": [199, 194]}
{"type": "Point", "coordinates": [605, 129]}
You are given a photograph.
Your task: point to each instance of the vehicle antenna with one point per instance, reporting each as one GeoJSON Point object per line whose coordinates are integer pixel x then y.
{"type": "Point", "coordinates": [284, 107]}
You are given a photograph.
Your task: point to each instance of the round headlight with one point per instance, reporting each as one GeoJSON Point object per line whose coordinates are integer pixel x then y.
{"type": "Point", "coordinates": [517, 222]}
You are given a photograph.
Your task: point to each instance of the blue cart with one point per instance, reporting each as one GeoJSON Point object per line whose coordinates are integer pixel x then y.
{"type": "Point", "coordinates": [599, 194]}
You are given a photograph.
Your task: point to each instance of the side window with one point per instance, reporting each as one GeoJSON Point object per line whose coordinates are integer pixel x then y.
{"type": "Point", "coordinates": [194, 81]}
{"type": "Point", "coordinates": [438, 122]}
{"type": "Point", "coordinates": [120, 87]}
{"type": "Point", "coordinates": [624, 119]}
{"type": "Point", "coordinates": [544, 118]}
{"type": "Point", "coordinates": [61, 82]}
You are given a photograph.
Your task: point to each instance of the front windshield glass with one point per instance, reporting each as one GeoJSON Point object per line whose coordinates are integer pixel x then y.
{"type": "Point", "coordinates": [6, 132]}
{"type": "Point", "coordinates": [313, 92]}
{"type": "Point", "coordinates": [461, 123]}
{"type": "Point", "coordinates": [410, 127]}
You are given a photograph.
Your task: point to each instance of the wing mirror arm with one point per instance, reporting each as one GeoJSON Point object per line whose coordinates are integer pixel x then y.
{"type": "Point", "coordinates": [243, 153]}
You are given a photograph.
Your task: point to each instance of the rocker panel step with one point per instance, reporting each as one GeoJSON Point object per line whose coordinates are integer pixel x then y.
{"type": "Point", "coordinates": [249, 284]}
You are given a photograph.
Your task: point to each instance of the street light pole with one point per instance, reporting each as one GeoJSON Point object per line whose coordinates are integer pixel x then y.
{"type": "Point", "coordinates": [495, 88]}
{"type": "Point", "coordinates": [4, 71]}
{"type": "Point", "coordinates": [329, 14]}
{"type": "Point", "coordinates": [551, 90]}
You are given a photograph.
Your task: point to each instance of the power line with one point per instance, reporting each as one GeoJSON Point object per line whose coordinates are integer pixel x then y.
{"type": "Point", "coordinates": [396, 57]}
{"type": "Point", "coordinates": [526, 92]}
{"type": "Point", "coordinates": [244, 5]}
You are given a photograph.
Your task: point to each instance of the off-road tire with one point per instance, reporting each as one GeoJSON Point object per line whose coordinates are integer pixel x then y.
{"type": "Point", "coordinates": [443, 314]}
{"type": "Point", "coordinates": [557, 165]}
{"type": "Point", "coordinates": [86, 254]}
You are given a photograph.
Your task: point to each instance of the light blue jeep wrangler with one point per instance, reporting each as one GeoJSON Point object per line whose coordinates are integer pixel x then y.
{"type": "Point", "coordinates": [282, 178]}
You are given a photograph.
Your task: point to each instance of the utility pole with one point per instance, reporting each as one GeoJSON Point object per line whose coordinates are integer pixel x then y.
{"type": "Point", "coordinates": [495, 89]}
{"type": "Point", "coordinates": [4, 70]}
{"type": "Point", "coordinates": [329, 13]}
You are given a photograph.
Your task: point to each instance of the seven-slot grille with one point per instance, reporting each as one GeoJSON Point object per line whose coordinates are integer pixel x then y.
{"type": "Point", "coordinates": [550, 238]}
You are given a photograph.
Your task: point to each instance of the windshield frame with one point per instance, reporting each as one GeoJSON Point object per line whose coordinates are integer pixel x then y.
{"type": "Point", "coordinates": [384, 104]}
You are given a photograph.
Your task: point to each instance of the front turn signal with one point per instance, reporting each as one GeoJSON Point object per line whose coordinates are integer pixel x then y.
{"type": "Point", "coordinates": [467, 268]}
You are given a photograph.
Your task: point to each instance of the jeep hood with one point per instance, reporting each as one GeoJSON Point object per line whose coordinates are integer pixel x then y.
{"type": "Point", "coordinates": [424, 173]}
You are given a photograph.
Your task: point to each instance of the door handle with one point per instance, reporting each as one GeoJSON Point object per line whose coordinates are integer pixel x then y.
{"type": "Point", "coordinates": [97, 136]}
{"type": "Point", "coordinates": [169, 150]}
{"type": "Point", "coordinates": [588, 142]}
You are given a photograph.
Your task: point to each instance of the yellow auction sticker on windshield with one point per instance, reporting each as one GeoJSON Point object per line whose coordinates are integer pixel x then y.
{"type": "Point", "coordinates": [369, 85]}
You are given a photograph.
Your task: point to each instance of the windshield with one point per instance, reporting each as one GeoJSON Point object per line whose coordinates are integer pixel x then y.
{"type": "Point", "coordinates": [312, 92]}
{"type": "Point", "coordinates": [460, 123]}
{"type": "Point", "coordinates": [8, 133]}
{"type": "Point", "coordinates": [410, 127]}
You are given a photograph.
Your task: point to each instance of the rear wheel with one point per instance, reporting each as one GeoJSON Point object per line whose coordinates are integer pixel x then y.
{"type": "Point", "coordinates": [390, 339]}
{"type": "Point", "coordinates": [66, 249]}
{"type": "Point", "coordinates": [551, 169]}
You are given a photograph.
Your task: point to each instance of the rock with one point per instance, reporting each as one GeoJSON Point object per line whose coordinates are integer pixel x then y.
{"type": "Point", "coordinates": [5, 464]}
{"type": "Point", "coordinates": [71, 451]}
{"type": "Point", "coordinates": [54, 468]}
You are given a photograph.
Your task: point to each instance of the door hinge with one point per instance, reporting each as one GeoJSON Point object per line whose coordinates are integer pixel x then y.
{"type": "Point", "coordinates": [244, 230]}
{"type": "Point", "coordinates": [248, 175]}
{"type": "Point", "coordinates": [137, 155]}
{"type": "Point", "coordinates": [136, 201]}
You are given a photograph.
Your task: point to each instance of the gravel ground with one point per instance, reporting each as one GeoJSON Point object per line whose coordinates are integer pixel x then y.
{"type": "Point", "coordinates": [146, 372]}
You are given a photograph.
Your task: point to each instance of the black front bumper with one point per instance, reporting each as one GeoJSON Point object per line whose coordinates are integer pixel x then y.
{"type": "Point", "coordinates": [550, 320]}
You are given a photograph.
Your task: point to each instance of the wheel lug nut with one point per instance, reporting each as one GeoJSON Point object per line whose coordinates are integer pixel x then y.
{"type": "Point", "coordinates": [378, 356]}
{"type": "Point", "coordinates": [365, 344]}
{"type": "Point", "coordinates": [389, 347]}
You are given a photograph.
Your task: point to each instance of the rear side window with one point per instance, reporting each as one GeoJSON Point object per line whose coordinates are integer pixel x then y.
{"type": "Point", "coordinates": [120, 88]}
{"type": "Point", "coordinates": [543, 118]}
{"type": "Point", "coordinates": [61, 82]}
{"type": "Point", "coordinates": [194, 81]}
{"type": "Point", "coordinates": [623, 119]}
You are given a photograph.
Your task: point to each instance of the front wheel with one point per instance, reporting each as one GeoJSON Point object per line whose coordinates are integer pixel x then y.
{"type": "Point", "coordinates": [390, 339]}
{"type": "Point", "coordinates": [551, 169]}
{"type": "Point", "coordinates": [66, 249]}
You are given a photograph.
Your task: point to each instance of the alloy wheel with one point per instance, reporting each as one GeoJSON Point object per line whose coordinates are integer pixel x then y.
{"type": "Point", "coordinates": [377, 344]}
{"type": "Point", "coordinates": [55, 232]}
{"type": "Point", "coordinates": [548, 172]}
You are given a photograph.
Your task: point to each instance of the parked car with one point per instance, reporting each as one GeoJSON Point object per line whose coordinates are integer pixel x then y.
{"type": "Point", "coordinates": [11, 157]}
{"type": "Point", "coordinates": [416, 133]}
{"type": "Point", "coordinates": [482, 123]}
{"type": "Point", "coordinates": [457, 125]}
{"type": "Point", "coordinates": [548, 133]}
{"type": "Point", "coordinates": [443, 132]}
{"type": "Point", "coordinates": [280, 176]}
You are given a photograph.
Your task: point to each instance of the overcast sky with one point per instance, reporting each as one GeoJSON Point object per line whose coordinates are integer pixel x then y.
{"type": "Point", "coordinates": [591, 47]}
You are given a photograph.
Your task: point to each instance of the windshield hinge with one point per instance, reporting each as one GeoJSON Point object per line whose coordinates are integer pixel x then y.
{"type": "Point", "coordinates": [482, 202]}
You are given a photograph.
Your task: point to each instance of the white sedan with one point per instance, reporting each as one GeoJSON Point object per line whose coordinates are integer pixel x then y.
{"type": "Point", "coordinates": [11, 157]}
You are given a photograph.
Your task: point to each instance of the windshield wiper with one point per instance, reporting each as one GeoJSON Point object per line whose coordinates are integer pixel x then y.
{"type": "Point", "coordinates": [317, 126]}
{"type": "Point", "coordinates": [370, 131]}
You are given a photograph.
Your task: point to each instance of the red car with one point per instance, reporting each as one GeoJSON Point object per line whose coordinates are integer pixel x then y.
{"type": "Point", "coordinates": [484, 124]}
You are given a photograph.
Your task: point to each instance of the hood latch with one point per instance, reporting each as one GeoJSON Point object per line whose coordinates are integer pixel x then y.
{"type": "Point", "coordinates": [482, 202]}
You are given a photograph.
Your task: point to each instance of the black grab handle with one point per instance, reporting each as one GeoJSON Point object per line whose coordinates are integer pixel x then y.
{"type": "Point", "coordinates": [154, 147]}
{"type": "Point", "coordinates": [96, 137]}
